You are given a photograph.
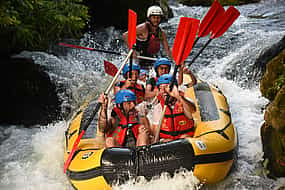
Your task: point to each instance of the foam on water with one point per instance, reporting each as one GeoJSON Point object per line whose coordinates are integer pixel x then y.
{"type": "Point", "coordinates": [40, 165]}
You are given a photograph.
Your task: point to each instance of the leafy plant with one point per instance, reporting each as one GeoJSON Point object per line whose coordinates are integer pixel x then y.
{"type": "Point", "coordinates": [32, 24]}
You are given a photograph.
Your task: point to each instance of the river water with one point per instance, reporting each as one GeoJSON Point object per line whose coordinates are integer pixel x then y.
{"type": "Point", "coordinates": [32, 158]}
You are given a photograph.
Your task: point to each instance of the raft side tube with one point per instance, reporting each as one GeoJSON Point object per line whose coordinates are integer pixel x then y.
{"type": "Point", "coordinates": [166, 157]}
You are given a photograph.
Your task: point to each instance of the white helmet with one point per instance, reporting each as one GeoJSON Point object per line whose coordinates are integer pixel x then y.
{"type": "Point", "coordinates": [154, 10]}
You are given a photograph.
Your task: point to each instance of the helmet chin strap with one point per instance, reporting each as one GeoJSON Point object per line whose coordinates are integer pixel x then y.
{"type": "Point", "coordinates": [151, 22]}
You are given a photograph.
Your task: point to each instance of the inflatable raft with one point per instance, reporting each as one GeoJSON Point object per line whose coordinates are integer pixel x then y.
{"type": "Point", "coordinates": [210, 154]}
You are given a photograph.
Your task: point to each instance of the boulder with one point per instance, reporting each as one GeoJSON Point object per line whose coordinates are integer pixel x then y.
{"type": "Point", "coordinates": [273, 144]}
{"type": "Point", "coordinates": [272, 87]}
{"type": "Point", "coordinates": [274, 77]}
{"type": "Point", "coordinates": [268, 54]}
{"type": "Point", "coordinates": [28, 96]}
{"type": "Point", "coordinates": [275, 112]}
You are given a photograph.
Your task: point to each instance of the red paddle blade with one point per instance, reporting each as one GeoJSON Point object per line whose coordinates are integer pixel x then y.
{"type": "Point", "coordinates": [132, 28]}
{"type": "Point", "coordinates": [67, 163]}
{"type": "Point", "coordinates": [184, 39]}
{"type": "Point", "coordinates": [110, 68]}
{"type": "Point", "coordinates": [225, 21]}
{"type": "Point", "coordinates": [208, 20]}
{"type": "Point", "coordinates": [74, 46]}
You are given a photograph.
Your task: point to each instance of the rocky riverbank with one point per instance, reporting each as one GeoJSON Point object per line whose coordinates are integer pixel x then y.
{"type": "Point", "coordinates": [272, 86]}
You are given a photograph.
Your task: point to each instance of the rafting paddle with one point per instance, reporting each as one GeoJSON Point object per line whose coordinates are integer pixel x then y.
{"type": "Point", "coordinates": [132, 30]}
{"type": "Point", "coordinates": [208, 21]}
{"type": "Point", "coordinates": [83, 127]}
{"type": "Point", "coordinates": [105, 51]}
{"type": "Point", "coordinates": [220, 26]}
{"type": "Point", "coordinates": [110, 68]}
{"type": "Point", "coordinates": [183, 43]}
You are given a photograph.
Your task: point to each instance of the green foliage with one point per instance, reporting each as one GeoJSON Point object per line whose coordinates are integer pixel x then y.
{"type": "Point", "coordinates": [32, 24]}
{"type": "Point", "coordinates": [277, 85]}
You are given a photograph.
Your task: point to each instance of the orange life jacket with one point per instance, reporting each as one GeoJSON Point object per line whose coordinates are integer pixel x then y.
{"type": "Point", "coordinates": [121, 130]}
{"type": "Point", "coordinates": [175, 123]}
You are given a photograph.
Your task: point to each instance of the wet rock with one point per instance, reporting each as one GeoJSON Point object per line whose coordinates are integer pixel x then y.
{"type": "Point", "coordinates": [274, 77]}
{"type": "Point", "coordinates": [268, 54]}
{"type": "Point", "coordinates": [272, 87]}
{"type": "Point", "coordinates": [273, 144]}
{"type": "Point", "coordinates": [28, 96]}
{"type": "Point", "coordinates": [275, 112]}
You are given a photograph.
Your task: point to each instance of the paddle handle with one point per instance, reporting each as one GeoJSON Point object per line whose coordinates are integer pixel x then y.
{"type": "Point", "coordinates": [131, 67]}
{"type": "Point", "coordinates": [201, 50]}
{"type": "Point", "coordinates": [70, 156]}
{"type": "Point", "coordinates": [105, 51]}
{"type": "Point", "coordinates": [118, 73]}
{"type": "Point", "coordinates": [166, 102]}
{"type": "Point", "coordinates": [160, 122]}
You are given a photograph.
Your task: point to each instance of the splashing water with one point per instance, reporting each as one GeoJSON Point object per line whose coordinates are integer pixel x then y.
{"type": "Point", "coordinates": [32, 158]}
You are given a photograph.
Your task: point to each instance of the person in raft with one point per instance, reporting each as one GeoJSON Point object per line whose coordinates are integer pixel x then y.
{"type": "Point", "coordinates": [162, 66]}
{"type": "Point", "coordinates": [143, 77]}
{"type": "Point", "coordinates": [149, 36]}
{"type": "Point", "coordinates": [178, 120]}
{"type": "Point", "coordinates": [131, 82]}
{"type": "Point", "coordinates": [126, 127]}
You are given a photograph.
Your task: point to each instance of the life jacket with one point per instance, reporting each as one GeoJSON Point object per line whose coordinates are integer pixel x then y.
{"type": "Point", "coordinates": [151, 46]}
{"type": "Point", "coordinates": [138, 89]}
{"type": "Point", "coordinates": [130, 125]}
{"type": "Point", "coordinates": [175, 123]}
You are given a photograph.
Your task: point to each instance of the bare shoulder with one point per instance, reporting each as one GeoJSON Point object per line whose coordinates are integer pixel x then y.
{"type": "Point", "coordinates": [141, 26]}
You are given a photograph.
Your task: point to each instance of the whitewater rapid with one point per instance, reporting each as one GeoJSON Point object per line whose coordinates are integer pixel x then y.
{"type": "Point", "coordinates": [32, 158]}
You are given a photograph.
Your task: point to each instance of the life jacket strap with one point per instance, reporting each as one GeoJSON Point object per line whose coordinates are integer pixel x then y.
{"type": "Point", "coordinates": [177, 133]}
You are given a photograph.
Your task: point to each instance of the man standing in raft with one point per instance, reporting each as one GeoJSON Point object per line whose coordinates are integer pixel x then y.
{"type": "Point", "coordinates": [178, 120]}
{"type": "Point", "coordinates": [149, 36]}
{"type": "Point", "coordinates": [126, 127]}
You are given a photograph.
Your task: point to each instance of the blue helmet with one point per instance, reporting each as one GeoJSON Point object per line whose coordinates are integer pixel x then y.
{"type": "Point", "coordinates": [126, 69]}
{"type": "Point", "coordinates": [165, 79]}
{"type": "Point", "coordinates": [162, 61]}
{"type": "Point", "coordinates": [143, 72]}
{"type": "Point", "coordinates": [125, 96]}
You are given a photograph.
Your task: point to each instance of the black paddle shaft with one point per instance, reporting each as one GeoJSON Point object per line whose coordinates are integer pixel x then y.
{"type": "Point", "coordinates": [200, 52]}
{"type": "Point", "coordinates": [171, 83]}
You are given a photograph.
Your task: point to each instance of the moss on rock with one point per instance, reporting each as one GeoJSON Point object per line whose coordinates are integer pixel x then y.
{"type": "Point", "coordinates": [275, 112]}
{"type": "Point", "coordinates": [272, 87]}
{"type": "Point", "coordinates": [274, 77]}
{"type": "Point", "coordinates": [273, 146]}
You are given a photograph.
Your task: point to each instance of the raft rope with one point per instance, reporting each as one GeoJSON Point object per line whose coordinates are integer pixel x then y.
{"type": "Point", "coordinates": [221, 131]}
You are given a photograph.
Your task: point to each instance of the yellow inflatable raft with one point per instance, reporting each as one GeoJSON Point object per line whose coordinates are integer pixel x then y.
{"type": "Point", "coordinates": [210, 154]}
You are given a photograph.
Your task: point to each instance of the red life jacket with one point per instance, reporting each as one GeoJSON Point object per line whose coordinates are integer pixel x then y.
{"type": "Point", "coordinates": [121, 130]}
{"type": "Point", "coordinates": [138, 89]}
{"type": "Point", "coordinates": [153, 41]}
{"type": "Point", "coordinates": [151, 45]}
{"type": "Point", "coordinates": [175, 123]}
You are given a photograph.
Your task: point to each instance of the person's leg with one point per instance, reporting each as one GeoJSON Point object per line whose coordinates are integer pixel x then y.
{"type": "Point", "coordinates": [143, 136]}
{"type": "Point", "coordinates": [184, 136]}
